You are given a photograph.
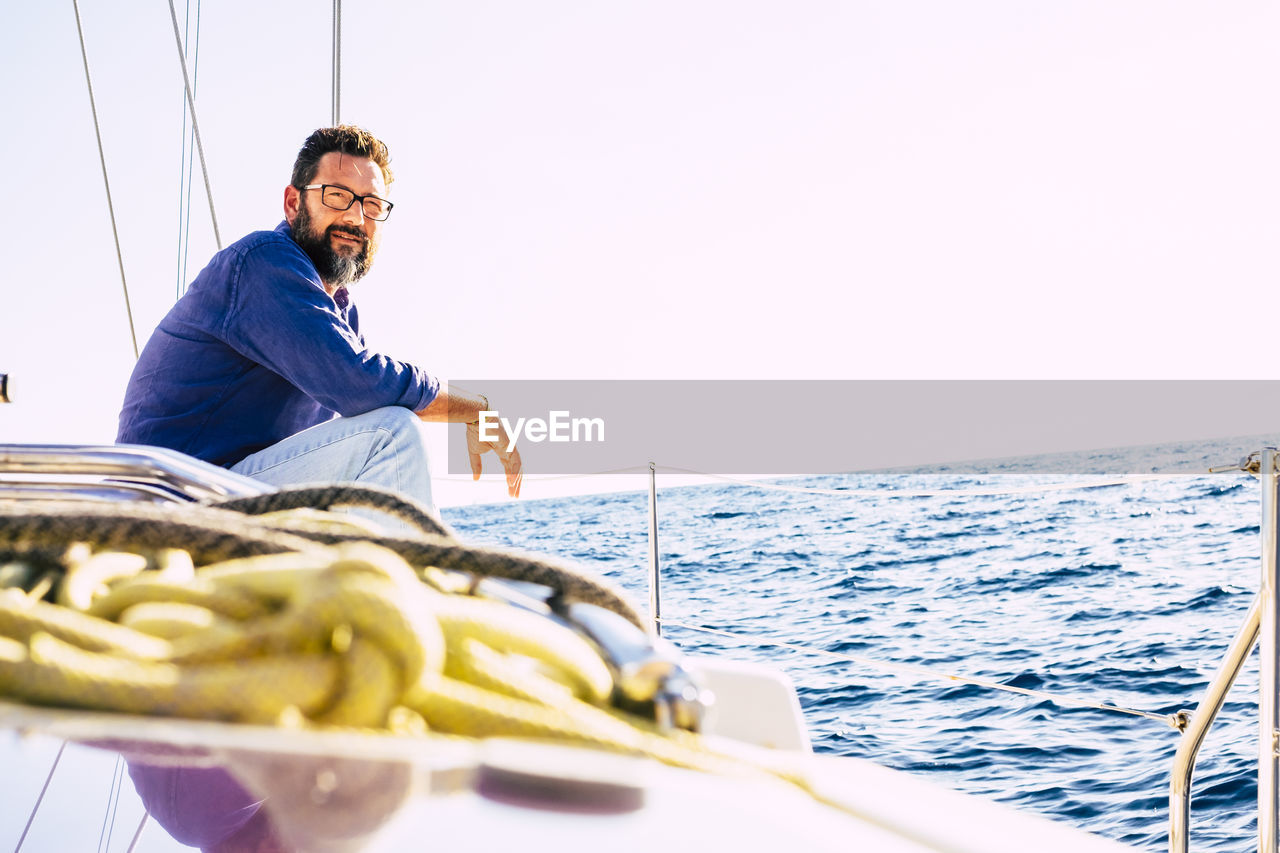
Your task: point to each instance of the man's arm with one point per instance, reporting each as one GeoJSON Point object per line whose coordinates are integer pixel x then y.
{"type": "Point", "coordinates": [454, 405]}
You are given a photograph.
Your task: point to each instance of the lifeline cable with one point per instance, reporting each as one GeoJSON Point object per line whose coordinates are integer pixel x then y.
{"type": "Point", "coordinates": [1172, 720]}
{"type": "Point", "coordinates": [888, 493]}
{"type": "Point", "coordinates": [931, 493]}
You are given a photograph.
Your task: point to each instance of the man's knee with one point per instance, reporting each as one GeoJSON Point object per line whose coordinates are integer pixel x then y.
{"type": "Point", "coordinates": [394, 419]}
{"type": "Point", "coordinates": [402, 428]}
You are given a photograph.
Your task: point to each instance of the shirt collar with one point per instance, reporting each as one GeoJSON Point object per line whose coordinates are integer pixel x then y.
{"type": "Point", "coordinates": [340, 296]}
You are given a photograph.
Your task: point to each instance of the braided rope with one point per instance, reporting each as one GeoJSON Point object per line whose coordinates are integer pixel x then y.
{"type": "Point", "coordinates": [217, 533]}
{"type": "Point", "coordinates": [328, 497]}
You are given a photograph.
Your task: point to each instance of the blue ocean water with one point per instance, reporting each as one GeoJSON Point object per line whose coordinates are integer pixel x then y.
{"type": "Point", "coordinates": [1125, 594]}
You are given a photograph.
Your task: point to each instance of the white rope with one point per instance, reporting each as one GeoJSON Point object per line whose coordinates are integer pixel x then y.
{"type": "Point", "coordinates": [93, 107]}
{"type": "Point", "coordinates": [195, 125]}
{"type": "Point", "coordinates": [1169, 719]}
{"type": "Point", "coordinates": [40, 799]}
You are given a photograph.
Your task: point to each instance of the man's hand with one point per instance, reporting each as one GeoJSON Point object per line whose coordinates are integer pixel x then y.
{"type": "Point", "coordinates": [510, 459]}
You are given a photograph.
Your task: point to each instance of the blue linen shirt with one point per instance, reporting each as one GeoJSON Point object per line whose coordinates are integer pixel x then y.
{"type": "Point", "coordinates": [254, 352]}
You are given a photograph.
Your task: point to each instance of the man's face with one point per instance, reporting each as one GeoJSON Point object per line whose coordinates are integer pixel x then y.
{"type": "Point", "coordinates": [341, 243]}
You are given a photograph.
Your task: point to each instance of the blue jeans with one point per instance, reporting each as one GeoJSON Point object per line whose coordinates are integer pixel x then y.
{"type": "Point", "coordinates": [381, 448]}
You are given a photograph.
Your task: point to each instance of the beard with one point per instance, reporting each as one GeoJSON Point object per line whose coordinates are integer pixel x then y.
{"type": "Point", "coordinates": [336, 269]}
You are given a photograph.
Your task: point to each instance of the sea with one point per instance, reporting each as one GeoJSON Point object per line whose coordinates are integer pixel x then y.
{"type": "Point", "coordinates": [1112, 578]}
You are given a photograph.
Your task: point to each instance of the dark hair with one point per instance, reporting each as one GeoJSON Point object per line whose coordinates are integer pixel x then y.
{"type": "Point", "coordinates": [345, 138]}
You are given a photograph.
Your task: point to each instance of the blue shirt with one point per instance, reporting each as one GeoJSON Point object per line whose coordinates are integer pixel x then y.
{"type": "Point", "coordinates": [254, 352]}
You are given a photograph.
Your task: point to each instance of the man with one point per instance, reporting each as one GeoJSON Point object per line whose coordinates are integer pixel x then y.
{"type": "Point", "coordinates": [251, 365]}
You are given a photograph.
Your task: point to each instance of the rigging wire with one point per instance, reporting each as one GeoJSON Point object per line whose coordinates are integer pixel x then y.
{"type": "Point", "coordinates": [113, 802]}
{"type": "Point", "coordinates": [187, 163]}
{"type": "Point", "coordinates": [133, 334]}
{"type": "Point", "coordinates": [182, 171]}
{"type": "Point", "coordinates": [195, 124]}
{"type": "Point", "coordinates": [337, 61]}
{"type": "Point", "coordinates": [1173, 720]}
{"type": "Point", "coordinates": [40, 799]}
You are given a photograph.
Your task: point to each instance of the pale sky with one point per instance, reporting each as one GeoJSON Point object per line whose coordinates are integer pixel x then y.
{"type": "Point", "coordinates": [662, 190]}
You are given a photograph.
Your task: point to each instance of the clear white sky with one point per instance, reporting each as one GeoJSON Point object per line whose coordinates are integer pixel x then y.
{"type": "Point", "coordinates": [649, 190]}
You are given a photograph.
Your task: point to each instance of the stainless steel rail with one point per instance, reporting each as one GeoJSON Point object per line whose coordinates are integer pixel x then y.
{"type": "Point", "coordinates": [655, 602]}
{"type": "Point", "coordinates": [1268, 665]}
{"type": "Point", "coordinates": [1261, 624]}
{"type": "Point", "coordinates": [1194, 731]}
{"type": "Point", "coordinates": [96, 472]}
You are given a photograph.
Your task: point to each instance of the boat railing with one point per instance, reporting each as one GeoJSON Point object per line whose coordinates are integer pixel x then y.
{"type": "Point", "coordinates": [114, 472]}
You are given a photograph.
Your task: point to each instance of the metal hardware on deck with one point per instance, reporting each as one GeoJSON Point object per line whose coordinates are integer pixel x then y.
{"type": "Point", "coordinates": [682, 703]}
{"type": "Point", "coordinates": [4, 388]}
{"type": "Point", "coordinates": [655, 611]}
{"type": "Point", "coordinates": [649, 673]}
{"type": "Point", "coordinates": [97, 472]}
{"type": "Point", "coordinates": [1249, 464]}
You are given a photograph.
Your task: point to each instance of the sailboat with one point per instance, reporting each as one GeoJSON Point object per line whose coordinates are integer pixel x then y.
{"type": "Point", "coordinates": [480, 796]}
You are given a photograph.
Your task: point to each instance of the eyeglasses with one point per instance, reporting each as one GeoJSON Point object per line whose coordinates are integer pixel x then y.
{"type": "Point", "coordinates": [338, 198]}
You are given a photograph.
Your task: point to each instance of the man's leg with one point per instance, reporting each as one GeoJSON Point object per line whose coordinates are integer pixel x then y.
{"type": "Point", "coordinates": [382, 448]}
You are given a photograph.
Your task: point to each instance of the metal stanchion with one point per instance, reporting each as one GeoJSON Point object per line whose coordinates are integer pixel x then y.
{"type": "Point", "coordinates": [1269, 675]}
{"type": "Point", "coordinates": [655, 612]}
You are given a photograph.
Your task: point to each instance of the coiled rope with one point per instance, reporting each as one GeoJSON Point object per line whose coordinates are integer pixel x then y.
{"type": "Point", "coordinates": [249, 623]}
{"type": "Point", "coordinates": [41, 529]}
